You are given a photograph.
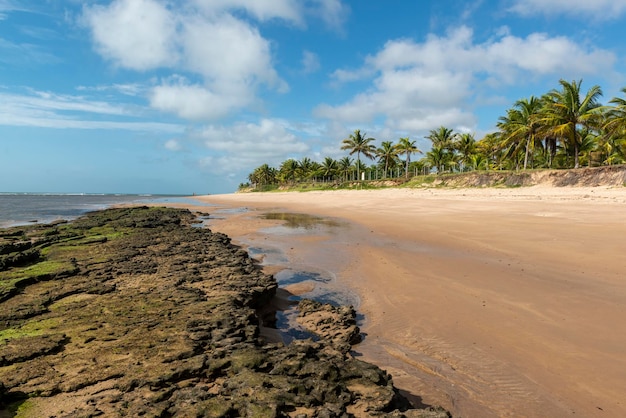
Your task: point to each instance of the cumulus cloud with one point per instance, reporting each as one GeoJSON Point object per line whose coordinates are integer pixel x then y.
{"type": "Point", "coordinates": [420, 86]}
{"type": "Point", "coordinates": [195, 102]}
{"type": "Point", "coordinates": [209, 41]}
{"type": "Point", "coordinates": [227, 53]}
{"type": "Point", "coordinates": [598, 9]}
{"type": "Point", "coordinates": [135, 34]}
{"type": "Point", "coordinates": [244, 145]}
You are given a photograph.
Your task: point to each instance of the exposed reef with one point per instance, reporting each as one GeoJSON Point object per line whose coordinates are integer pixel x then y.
{"type": "Point", "coordinates": [136, 312]}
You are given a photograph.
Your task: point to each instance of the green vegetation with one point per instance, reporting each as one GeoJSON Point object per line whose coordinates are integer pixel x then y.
{"type": "Point", "coordinates": [30, 329]}
{"type": "Point", "coordinates": [43, 268]}
{"type": "Point", "coordinates": [565, 128]}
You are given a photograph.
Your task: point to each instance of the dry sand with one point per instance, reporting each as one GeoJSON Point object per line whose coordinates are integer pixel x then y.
{"type": "Point", "coordinates": [489, 302]}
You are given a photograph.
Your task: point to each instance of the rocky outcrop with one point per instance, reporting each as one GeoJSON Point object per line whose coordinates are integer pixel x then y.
{"type": "Point", "coordinates": [135, 312]}
{"type": "Point", "coordinates": [334, 325]}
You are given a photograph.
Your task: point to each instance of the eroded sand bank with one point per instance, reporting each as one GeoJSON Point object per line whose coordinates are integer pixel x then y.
{"type": "Point", "coordinates": [489, 302]}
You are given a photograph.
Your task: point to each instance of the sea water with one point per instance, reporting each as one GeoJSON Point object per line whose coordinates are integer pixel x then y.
{"type": "Point", "coordinates": [24, 208]}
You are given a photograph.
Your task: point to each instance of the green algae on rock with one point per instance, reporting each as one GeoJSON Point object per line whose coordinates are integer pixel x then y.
{"type": "Point", "coordinates": [133, 311]}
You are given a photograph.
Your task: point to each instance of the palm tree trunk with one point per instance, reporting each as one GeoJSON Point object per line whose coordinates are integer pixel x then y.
{"type": "Point", "coordinates": [406, 169]}
{"type": "Point", "coordinates": [526, 156]}
{"type": "Point", "coordinates": [576, 165]}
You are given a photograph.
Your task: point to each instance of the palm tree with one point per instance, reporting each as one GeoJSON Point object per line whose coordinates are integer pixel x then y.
{"type": "Point", "coordinates": [263, 175]}
{"type": "Point", "coordinates": [408, 147]}
{"type": "Point", "coordinates": [359, 144]}
{"type": "Point", "coordinates": [616, 116]}
{"type": "Point", "coordinates": [345, 165]}
{"type": "Point", "coordinates": [288, 170]}
{"type": "Point", "coordinates": [329, 168]}
{"type": "Point", "coordinates": [466, 145]}
{"type": "Point", "coordinates": [588, 144]}
{"type": "Point", "coordinates": [565, 113]}
{"type": "Point", "coordinates": [442, 137]}
{"type": "Point", "coordinates": [306, 168]}
{"type": "Point", "coordinates": [489, 147]}
{"type": "Point", "coordinates": [438, 157]}
{"type": "Point", "coordinates": [520, 126]}
{"type": "Point", "coordinates": [614, 127]}
{"type": "Point", "coordinates": [387, 153]}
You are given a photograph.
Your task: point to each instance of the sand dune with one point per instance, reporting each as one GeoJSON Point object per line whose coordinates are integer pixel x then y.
{"type": "Point", "coordinates": [489, 302]}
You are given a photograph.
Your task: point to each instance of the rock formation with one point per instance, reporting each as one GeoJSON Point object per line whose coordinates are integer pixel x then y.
{"type": "Point", "coordinates": [136, 312]}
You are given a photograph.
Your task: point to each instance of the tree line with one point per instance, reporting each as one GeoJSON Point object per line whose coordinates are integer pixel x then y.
{"type": "Point", "coordinates": [564, 128]}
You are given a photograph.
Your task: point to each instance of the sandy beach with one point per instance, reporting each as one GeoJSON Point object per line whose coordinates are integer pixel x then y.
{"type": "Point", "coordinates": [488, 302]}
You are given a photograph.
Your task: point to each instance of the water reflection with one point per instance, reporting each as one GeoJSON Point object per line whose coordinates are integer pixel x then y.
{"type": "Point", "coordinates": [301, 220]}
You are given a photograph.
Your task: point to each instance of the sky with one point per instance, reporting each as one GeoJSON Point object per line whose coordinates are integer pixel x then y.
{"type": "Point", "coordinates": [181, 97]}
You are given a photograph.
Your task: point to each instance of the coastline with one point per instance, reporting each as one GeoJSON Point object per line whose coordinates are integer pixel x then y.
{"type": "Point", "coordinates": [479, 300]}
{"type": "Point", "coordinates": [138, 311]}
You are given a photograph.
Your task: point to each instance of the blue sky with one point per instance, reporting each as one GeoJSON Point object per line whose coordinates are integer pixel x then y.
{"type": "Point", "coordinates": [158, 96]}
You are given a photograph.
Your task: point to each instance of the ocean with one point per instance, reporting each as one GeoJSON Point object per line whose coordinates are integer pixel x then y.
{"type": "Point", "coordinates": [26, 208]}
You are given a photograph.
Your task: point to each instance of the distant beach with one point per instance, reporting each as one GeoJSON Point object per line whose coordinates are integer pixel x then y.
{"type": "Point", "coordinates": [490, 302]}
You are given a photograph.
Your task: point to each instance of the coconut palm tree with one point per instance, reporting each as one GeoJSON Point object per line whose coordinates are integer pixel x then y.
{"type": "Point", "coordinates": [442, 137]}
{"type": "Point", "coordinates": [466, 146]}
{"type": "Point", "coordinates": [407, 147]}
{"type": "Point", "coordinates": [613, 142]}
{"type": "Point", "coordinates": [345, 166]}
{"type": "Point", "coordinates": [489, 147]}
{"type": "Point", "coordinates": [615, 123]}
{"type": "Point", "coordinates": [387, 154]}
{"type": "Point", "coordinates": [288, 170]}
{"type": "Point", "coordinates": [520, 126]}
{"type": "Point", "coordinates": [359, 144]}
{"type": "Point", "coordinates": [263, 175]}
{"type": "Point", "coordinates": [588, 144]}
{"type": "Point", "coordinates": [306, 168]}
{"type": "Point", "coordinates": [566, 112]}
{"type": "Point", "coordinates": [329, 168]}
{"type": "Point", "coordinates": [438, 157]}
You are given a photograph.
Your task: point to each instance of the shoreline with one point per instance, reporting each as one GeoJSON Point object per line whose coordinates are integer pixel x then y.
{"type": "Point", "coordinates": [481, 298]}
{"type": "Point", "coordinates": [137, 310]}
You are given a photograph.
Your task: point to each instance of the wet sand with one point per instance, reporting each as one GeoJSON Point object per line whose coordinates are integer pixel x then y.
{"type": "Point", "coordinates": [489, 302]}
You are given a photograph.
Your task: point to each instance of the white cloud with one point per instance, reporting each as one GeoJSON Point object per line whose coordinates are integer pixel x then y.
{"type": "Point", "coordinates": [260, 9]}
{"type": "Point", "coordinates": [41, 100]}
{"type": "Point", "coordinates": [310, 62]}
{"type": "Point", "coordinates": [12, 6]}
{"type": "Point", "coordinates": [201, 40]}
{"type": "Point", "coordinates": [420, 86]}
{"type": "Point", "coordinates": [195, 102]}
{"type": "Point", "coordinates": [227, 52]}
{"type": "Point", "coordinates": [598, 9]}
{"type": "Point", "coordinates": [332, 12]}
{"type": "Point", "coordinates": [132, 89]}
{"type": "Point", "coordinates": [173, 145]}
{"type": "Point", "coordinates": [49, 110]}
{"type": "Point", "coordinates": [135, 34]}
{"type": "Point", "coordinates": [243, 146]}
